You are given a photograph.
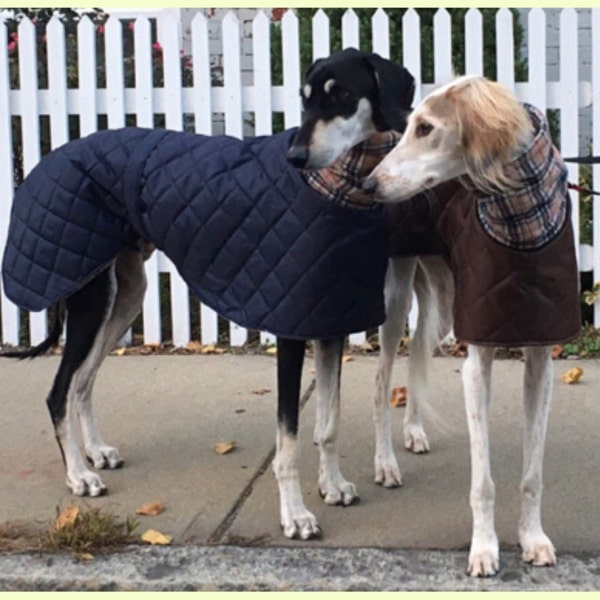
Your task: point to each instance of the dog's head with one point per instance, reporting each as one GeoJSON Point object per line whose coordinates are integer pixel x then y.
{"type": "Point", "coordinates": [347, 97]}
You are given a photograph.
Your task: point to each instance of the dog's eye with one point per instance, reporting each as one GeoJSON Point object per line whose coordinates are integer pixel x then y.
{"type": "Point", "coordinates": [423, 129]}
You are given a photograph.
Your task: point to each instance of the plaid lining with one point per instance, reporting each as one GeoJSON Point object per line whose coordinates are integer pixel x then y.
{"type": "Point", "coordinates": [534, 214]}
{"type": "Point", "coordinates": [341, 182]}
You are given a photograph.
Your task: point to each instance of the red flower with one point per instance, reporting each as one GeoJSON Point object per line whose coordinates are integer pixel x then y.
{"type": "Point", "coordinates": [131, 25]}
{"type": "Point", "coordinates": [12, 45]}
{"type": "Point", "coordinates": [100, 29]}
{"type": "Point", "coordinates": [156, 47]}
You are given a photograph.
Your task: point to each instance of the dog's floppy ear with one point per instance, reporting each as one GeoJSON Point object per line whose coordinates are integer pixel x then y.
{"type": "Point", "coordinates": [396, 90]}
{"type": "Point", "coordinates": [312, 67]}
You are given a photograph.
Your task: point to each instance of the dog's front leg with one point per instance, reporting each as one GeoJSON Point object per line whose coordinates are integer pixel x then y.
{"type": "Point", "coordinates": [476, 375]}
{"type": "Point", "coordinates": [296, 520]}
{"type": "Point", "coordinates": [334, 489]}
{"type": "Point", "coordinates": [535, 544]}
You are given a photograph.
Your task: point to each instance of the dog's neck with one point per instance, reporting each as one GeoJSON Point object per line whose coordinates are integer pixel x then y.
{"type": "Point", "coordinates": [342, 181]}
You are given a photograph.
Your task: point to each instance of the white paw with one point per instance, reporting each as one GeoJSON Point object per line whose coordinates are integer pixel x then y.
{"type": "Point", "coordinates": [539, 551]}
{"type": "Point", "coordinates": [302, 525]}
{"type": "Point", "coordinates": [415, 438]}
{"type": "Point", "coordinates": [387, 472]}
{"type": "Point", "coordinates": [104, 457]}
{"type": "Point", "coordinates": [86, 483]}
{"type": "Point", "coordinates": [339, 492]}
{"type": "Point", "coordinates": [484, 560]}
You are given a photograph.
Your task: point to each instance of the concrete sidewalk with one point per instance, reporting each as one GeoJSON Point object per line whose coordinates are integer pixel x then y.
{"type": "Point", "coordinates": [165, 413]}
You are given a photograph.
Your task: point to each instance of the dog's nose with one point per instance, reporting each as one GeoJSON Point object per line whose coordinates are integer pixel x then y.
{"type": "Point", "coordinates": [370, 185]}
{"type": "Point", "coordinates": [298, 156]}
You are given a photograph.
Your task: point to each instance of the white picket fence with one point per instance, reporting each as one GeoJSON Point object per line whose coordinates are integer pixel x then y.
{"type": "Point", "coordinates": [261, 99]}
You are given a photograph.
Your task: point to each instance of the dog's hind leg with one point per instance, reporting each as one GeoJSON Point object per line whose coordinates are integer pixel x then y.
{"type": "Point", "coordinates": [398, 300]}
{"type": "Point", "coordinates": [535, 544]}
{"type": "Point", "coordinates": [476, 375]}
{"type": "Point", "coordinates": [296, 520]}
{"type": "Point", "coordinates": [434, 290]}
{"type": "Point", "coordinates": [333, 488]}
{"type": "Point", "coordinates": [131, 286]}
{"type": "Point", "coordinates": [87, 311]}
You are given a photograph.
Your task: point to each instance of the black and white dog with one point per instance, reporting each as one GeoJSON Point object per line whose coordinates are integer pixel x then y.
{"type": "Point", "coordinates": [347, 97]}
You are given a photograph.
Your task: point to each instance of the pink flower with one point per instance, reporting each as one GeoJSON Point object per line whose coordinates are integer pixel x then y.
{"type": "Point", "coordinates": [131, 25]}
{"type": "Point", "coordinates": [156, 47]}
{"type": "Point", "coordinates": [14, 36]}
{"type": "Point", "coordinates": [12, 45]}
{"type": "Point", "coordinates": [100, 29]}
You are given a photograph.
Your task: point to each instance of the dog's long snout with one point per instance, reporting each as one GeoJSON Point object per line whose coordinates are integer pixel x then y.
{"type": "Point", "coordinates": [298, 156]}
{"type": "Point", "coordinates": [370, 185]}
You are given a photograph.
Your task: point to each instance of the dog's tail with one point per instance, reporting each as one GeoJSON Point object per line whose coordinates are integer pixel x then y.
{"type": "Point", "coordinates": [434, 289]}
{"type": "Point", "coordinates": [50, 342]}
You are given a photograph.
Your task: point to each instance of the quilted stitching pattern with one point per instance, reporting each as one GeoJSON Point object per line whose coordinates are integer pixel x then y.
{"type": "Point", "coordinates": [250, 238]}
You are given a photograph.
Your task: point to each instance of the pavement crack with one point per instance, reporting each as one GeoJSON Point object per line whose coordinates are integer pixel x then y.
{"type": "Point", "coordinates": [217, 535]}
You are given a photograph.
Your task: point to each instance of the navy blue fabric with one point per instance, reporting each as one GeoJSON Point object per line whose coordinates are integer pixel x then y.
{"type": "Point", "coordinates": [247, 234]}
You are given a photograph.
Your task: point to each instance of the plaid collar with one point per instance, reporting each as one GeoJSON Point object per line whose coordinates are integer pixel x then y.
{"type": "Point", "coordinates": [534, 214]}
{"type": "Point", "coordinates": [342, 181]}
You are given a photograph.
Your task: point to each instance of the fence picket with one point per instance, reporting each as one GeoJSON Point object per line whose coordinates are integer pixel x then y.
{"type": "Point", "coordinates": [473, 42]}
{"type": "Point", "coordinates": [537, 58]}
{"type": "Point", "coordinates": [180, 303]}
{"type": "Point", "coordinates": [86, 72]}
{"type": "Point", "coordinates": [10, 313]}
{"type": "Point", "coordinates": [411, 48]}
{"type": "Point", "coordinates": [596, 144]}
{"type": "Point", "coordinates": [320, 35]}
{"type": "Point", "coordinates": [569, 105]}
{"type": "Point", "coordinates": [290, 37]}
{"type": "Point", "coordinates": [115, 78]}
{"type": "Point", "coordinates": [442, 46]}
{"type": "Point", "coordinates": [350, 30]}
{"type": "Point", "coordinates": [505, 48]}
{"type": "Point", "coordinates": [28, 83]}
{"type": "Point", "coordinates": [57, 82]}
{"type": "Point", "coordinates": [380, 26]}
{"type": "Point", "coordinates": [144, 113]}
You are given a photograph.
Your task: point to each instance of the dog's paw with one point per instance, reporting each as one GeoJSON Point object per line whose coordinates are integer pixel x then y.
{"type": "Point", "coordinates": [104, 457]}
{"type": "Point", "coordinates": [338, 493]}
{"type": "Point", "coordinates": [86, 483]}
{"type": "Point", "coordinates": [539, 551]}
{"type": "Point", "coordinates": [415, 439]}
{"type": "Point", "coordinates": [301, 526]}
{"type": "Point", "coordinates": [387, 472]}
{"type": "Point", "coordinates": [484, 560]}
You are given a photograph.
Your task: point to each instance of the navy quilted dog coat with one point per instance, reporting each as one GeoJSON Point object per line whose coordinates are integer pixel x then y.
{"type": "Point", "coordinates": [247, 234]}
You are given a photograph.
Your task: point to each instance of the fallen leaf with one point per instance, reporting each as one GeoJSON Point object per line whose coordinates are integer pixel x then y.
{"type": "Point", "coordinates": [67, 517]}
{"type": "Point", "coordinates": [261, 391]}
{"type": "Point", "coordinates": [156, 537]}
{"type": "Point", "coordinates": [194, 346]}
{"type": "Point", "coordinates": [572, 375]}
{"type": "Point", "coordinates": [120, 351]}
{"type": "Point", "coordinates": [272, 350]}
{"type": "Point", "coordinates": [150, 508]}
{"type": "Point", "coordinates": [225, 447]}
{"type": "Point", "coordinates": [557, 351]}
{"type": "Point", "coordinates": [347, 358]}
{"type": "Point", "coordinates": [398, 397]}
{"type": "Point", "coordinates": [85, 556]}
{"type": "Point", "coordinates": [208, 349]}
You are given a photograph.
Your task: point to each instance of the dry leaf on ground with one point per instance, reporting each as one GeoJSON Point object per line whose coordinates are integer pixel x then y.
{"type": "Point", "coordinates": [225, 447]}
{"type": "Point", "coordinates": [398, 397]}
{"type": "Point", "coordinates": [120, 351]}
{"type": "Point", "coordinates": [151, 508]}
{"type": "Point", "coordinates": [194, 346]}
{"type": "Point", "coordinates": [347, 358]}
{"type": "Point", "coordinates": [156, 537]}
{"type": "Point", "coordinates": [572, 375]}
{"type": "Point", "coordinates": [261, 391]}
{"type": "Point", "coordinates": [67, 517]}
{"type": "Point", "coordinates": [272, 350]}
